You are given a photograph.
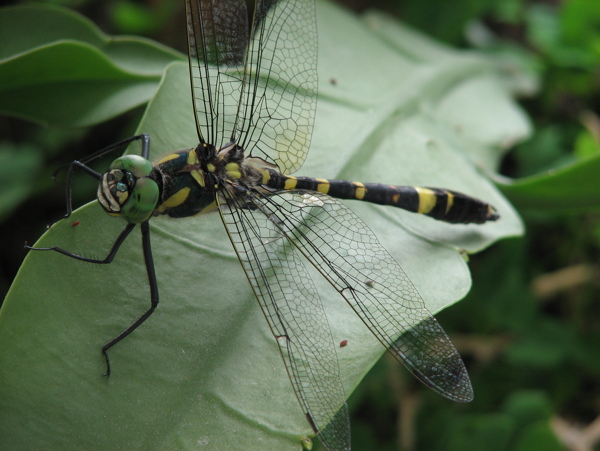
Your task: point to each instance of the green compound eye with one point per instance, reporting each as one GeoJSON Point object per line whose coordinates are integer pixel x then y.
{"type": "Point", "coordinates": [138, 166]}
{"type": "Point", "coordinates": [141, 202]}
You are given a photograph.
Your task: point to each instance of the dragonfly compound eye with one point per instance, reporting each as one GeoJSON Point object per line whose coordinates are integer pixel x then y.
{"type": "Point", "coordinates": [127, 191]}
{"type": "Point", "coordinates": [137, 165]}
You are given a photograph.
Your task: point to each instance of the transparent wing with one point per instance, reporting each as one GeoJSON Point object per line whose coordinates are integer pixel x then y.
{"type": "Point", "coordinates": [260, 92]}
{"type": "Point", "coordinates": [218, 36]}
{"type": "Point", "coordinates": [347, 253]}
{"type": "Point", "coordinates": [293, 309]}
{"type": "Point", "coordinates": [278, 102]}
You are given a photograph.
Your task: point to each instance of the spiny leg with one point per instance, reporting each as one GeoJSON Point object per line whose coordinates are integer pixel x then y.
{"type": "Point", "coordinates": [109, 258]}
{"type": "Point", "coordinates": [68, 197]}
{"type": "Point", "coordinates": [144, 137]}
{"type": "Point", "coordinates": [149, 262]}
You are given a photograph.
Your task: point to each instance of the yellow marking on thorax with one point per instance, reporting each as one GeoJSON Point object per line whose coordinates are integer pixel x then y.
{"type": "Point", "coordinates": [323, 186]}
{"type": "Point", "coordinates": [192, 158]}
{"type": "Point", "coordinates": [210, 167]}
{"type": "Point", "coordinates": [175, 200]}
{"type": "Point", "coordinates": [169, 157]}
{"type": "Point", "coordinates": [233, 170]}
{"type": "Point", "coordinates": [290, 183]}
{"type": "Point", "coordinates": [197, 175]}
{"type": "Point", "coordinates": [427, 200]}
{"type": "Point", "coordinates": [450, 201]}
{"type": "Point", "coordinates": [360, 191]}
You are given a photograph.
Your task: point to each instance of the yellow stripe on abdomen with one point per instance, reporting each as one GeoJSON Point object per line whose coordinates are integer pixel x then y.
{"type": "Point", "coordinates": [427, 200]}
{"type": "Point", "coordinates": [323, 185]}
{"type": "Point", "coordinates": [360, 190]}
{"type": "Point", "coordinates": [290, 183]}
{"type": "Point", "coordinates": [449, 201]}
{"type": "Point", "coordinates": [265, 176]}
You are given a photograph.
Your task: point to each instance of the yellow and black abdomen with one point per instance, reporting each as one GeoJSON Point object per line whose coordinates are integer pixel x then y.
{"type": "Point", "coordinates": [442, 204]}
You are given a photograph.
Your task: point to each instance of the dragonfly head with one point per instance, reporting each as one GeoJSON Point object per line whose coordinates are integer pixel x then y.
{"type": "Point", "coordinates": [126, 190]}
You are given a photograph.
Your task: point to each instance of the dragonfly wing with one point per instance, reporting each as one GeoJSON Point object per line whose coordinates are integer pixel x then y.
{"type": "Point", "coordinates": [261, 91]}
{"type": "Point", "coordinates": [218, 36]}
{"type": "Point", "coordinates": [349, 255]}
{"type": "Point", "coordinates": [278, 100]}
{"type": "Point", "coordinates": [293, 309]}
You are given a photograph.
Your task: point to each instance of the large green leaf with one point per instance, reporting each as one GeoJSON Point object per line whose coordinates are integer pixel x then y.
{"type": "Point", "coordinates": [572, 188]}
{"type": "Point", "coordinates": [58, 68]}
{"type": "Point", "coordinates": [204, 371]}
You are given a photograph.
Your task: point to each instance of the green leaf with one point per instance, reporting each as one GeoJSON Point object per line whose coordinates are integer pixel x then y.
{"type": "Point", "coordinates": [573, 188]}
{"type": "Point", "coordinates": [204, 370]}
{"type": "Point", "coordinates": [58, 69]}
{"type": "Point", "coordinates": [132, 17]}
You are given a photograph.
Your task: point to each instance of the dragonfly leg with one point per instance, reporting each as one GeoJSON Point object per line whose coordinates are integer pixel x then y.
{"type": "Point", "coordinates": [72, 166]}
{"type": "Point", "coordinates": [144, 137]}
{"type": "Point", "coordinates": [109, 258]}
{"type": "Point", "coordinates": [149, 261]}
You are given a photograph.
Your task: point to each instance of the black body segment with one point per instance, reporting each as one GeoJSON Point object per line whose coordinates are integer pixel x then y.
{"type": "Point", "coordinates": [442, 204]}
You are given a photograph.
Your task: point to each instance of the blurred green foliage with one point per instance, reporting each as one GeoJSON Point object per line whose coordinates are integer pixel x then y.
{"type": "Point", "coordinates": [529, 330]}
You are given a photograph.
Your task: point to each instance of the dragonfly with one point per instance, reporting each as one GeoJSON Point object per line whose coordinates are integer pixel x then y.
{"type": "Point", "coordinates": [254, 89]}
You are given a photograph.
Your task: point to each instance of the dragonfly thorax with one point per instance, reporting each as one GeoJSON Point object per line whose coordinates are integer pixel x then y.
{"type": "Point", "coordinates": [190, 181]}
